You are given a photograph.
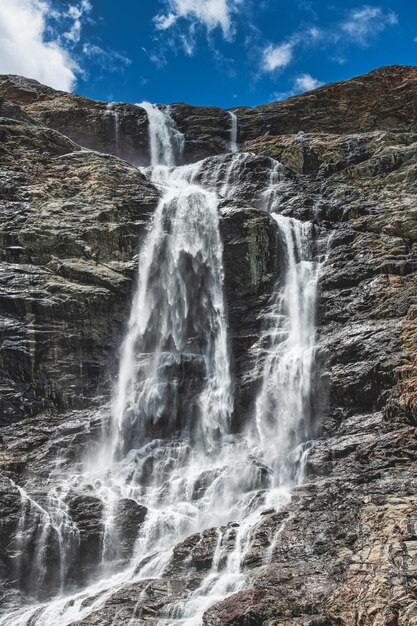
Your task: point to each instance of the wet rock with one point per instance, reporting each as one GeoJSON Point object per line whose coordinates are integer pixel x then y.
{"type": "Point", "coordinates": [206, 129]}
{"type": "Point", "coordinates": [382, 99]}
{"type": "Point", "coordinates": [86, 511]}
{"type": "Point", "coordinates": [9, 521]}
{"type": "Point", "coordinates": [251, 267]}
{"type": "Point", "coordinates": [124, 607]}
{"type": "Point", "coordinates": [237, 610]}
{"type": "Point", "coordinates": [114, 128]}
{"type": "Point", "coordinates": [128, 518]}
{"type": "Point", "coordinates": [195, 552]}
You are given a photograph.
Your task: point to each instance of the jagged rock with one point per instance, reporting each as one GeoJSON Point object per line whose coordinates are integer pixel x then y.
{"type": "Point", "coordinates": [129, 516]}
{"type": "Point", "coordinates": [68, 243]}
{"type": "Point", "coordinates": [251, 266]}
{"type": "Point", "coordinates": [382, 99]}
{"type": "Point", "coordinates": [86, 511]}
{"type": "Point", "coordinates": [236, 610]}
{"type": "Point", "coordinates": [206, 129]}
{"type": "Point", "coordinates": [118, 129]}
{"type": "Point", "coordinates": [14, 112]}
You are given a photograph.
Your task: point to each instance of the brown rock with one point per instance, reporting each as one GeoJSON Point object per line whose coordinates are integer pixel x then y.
{"type": "Point", "coordinates": [236, 610]}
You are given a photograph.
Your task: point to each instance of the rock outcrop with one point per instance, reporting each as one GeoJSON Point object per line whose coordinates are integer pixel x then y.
{"type": "Point", "coordinates": [381, 100]}
{"type": "Point", "coordinates": [71, 219]}
{"type": "Point", "coordinates": [75, 210]}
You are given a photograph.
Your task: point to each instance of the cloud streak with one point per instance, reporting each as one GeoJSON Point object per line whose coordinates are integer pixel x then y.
{"type": "Point", "coordinates": [366, 22]}
{"type": "Point", "coordinates": [360, 27]}
{"type": "Point", "coordinates": [209, 13]}
{"type": "Point", "coordinates": [109, 59]}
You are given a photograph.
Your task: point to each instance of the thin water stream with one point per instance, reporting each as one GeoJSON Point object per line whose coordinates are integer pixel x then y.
{"type": "Point", "coordinates": [233, 132]}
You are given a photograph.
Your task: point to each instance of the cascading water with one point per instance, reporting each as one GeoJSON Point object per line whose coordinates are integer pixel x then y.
{"type": "Point", "coordinates": [166, 143]}
{"type": "Point", "coordinates": [177, 326]}
{"type": "Point", "coordinates": [283, 423]}
{"type": "Point", "coordinates": [233, 131]}
{"type": "Point", "coordinates": [283, 406]}
{"type": "Point", "coordinates": [171, 451]}
{"type": "Point", "coordinates": [243, 176]}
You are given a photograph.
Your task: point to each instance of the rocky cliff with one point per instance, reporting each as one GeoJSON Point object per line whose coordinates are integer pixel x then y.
{"type": "Point", "coordinates": [75, 210]}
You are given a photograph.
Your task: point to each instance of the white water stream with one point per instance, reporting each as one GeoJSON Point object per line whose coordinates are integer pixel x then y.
{"type": "Point", "coordinates": [166, 143]}
{"type": "Point", "coordinates": [233, 132]}
{"type": "Point", "coordinates": [170, 447]}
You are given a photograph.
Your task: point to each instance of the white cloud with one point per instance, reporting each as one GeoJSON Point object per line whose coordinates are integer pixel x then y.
{"type": "Point", "coordinates": [75, 13]}
{"type": "Point", "coordinates": [277, 57]}
{"type": "Point", "coordinates": [41, 42]}
{"type": "Point", "coordinates": [163, 22]}
{"type": "Point", "coordinates": [367, 21]}
{"type": "Point", "coordinates": [305, 82]}
{"type": "Point", "coordinates": [111, 59]}
{"type": "Point", "coordinates": [359, 27]}
{"type": "Point", "coordinates": [314, 33]}
{"type": "Point", "coordinates": [339, 59]}
{"type": "Point", "coordinates": [158, 59]}
{"type": "Point", "coordinates": [25, 49]}
{"type": "Point", "coordinates": [210, 13]}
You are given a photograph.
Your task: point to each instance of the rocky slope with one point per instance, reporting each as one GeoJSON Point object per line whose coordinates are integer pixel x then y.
{"type": "Point", "coordinates": [74, 208]}
{"type": "Point", "coordinates": [381, 100]}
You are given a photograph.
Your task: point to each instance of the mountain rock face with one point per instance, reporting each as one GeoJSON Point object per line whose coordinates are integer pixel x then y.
{"type": "Point", "coordinates": [75, 210]}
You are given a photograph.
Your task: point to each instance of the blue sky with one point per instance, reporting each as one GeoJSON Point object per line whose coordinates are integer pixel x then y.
{"type": "Point", "coordinates": [220, 52]}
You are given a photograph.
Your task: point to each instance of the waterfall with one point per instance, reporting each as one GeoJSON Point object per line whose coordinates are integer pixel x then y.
{"type": "Point", "coordinates": [283, 407]}
{"type": "Point", "coordinates": [283, 410]}
{"type": "Point", "coordinates": [177, 324]}
{"type": "Point", "coordinates": [177, 321]}
{"type": "Point", "coordinates": [171, 450]}
{"type": "Point", "coordinates": [40, 527]}
{"type": "Point", "coordinates": [166, 143]}
{"type": "Point", "coordinates": [233, 131]}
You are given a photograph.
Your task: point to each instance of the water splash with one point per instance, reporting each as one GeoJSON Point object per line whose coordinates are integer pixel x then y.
{"type": "Point", "coordinates": [257, 180]}
{"type": "Point", "coordinates": [40, 533]}
{"type": "Point", "coordinates": [283, 414]}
